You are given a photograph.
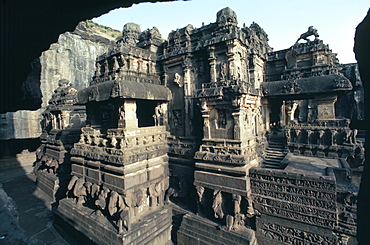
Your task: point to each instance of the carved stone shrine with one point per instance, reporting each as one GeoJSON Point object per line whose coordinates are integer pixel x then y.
{"type": "Point", "coordinates": [211, 137]}
{"type": "Point", "coordinates": [61, 125]}
{"type": "Point", "coordinates": [120, 163]}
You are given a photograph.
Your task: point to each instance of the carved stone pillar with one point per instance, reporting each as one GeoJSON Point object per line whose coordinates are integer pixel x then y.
{"type": "Point", "coordinates": [187, 80]}
{"type": "Point", "coordinates": [309, 133]}
{"type": "Point", "coordinates": [130, 63]}
{"type": "Point", "coordinates": [140, 66]}
{"type": "Point", "coordinates": [333, 138]}
{"type": "Point", "coordinates": [325, 107]}
{"type": "Point", "coordinates": [165, 76]}
{"type": "Point", "coordinates": [206, 126]}
{"type": "Point", "coordinates": [290, 110]}
{"type": "Point", "coordinates": [283, 120]}
{"type": "Point", "coordinates": [129, 108]}
{"type": "Point", "coordinates": [237, 123]}
{"type": "Point", "coordinates": [231, 59]}
{"type": "Point", "coordinates": [188, 92]}
{"type": "Point", "coordinates": [266, 114]}
{"type": "Point", "coordinates": [212, 64]}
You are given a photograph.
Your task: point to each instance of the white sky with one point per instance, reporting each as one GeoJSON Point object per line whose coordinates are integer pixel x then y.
{"type": "Point", "coordinates": [283, 20]}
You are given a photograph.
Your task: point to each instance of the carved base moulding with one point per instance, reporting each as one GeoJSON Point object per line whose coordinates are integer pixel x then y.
{"type": "Point", "coordinates": [154, 228]}
{"type": "Point", "coordinates": [195, 228]}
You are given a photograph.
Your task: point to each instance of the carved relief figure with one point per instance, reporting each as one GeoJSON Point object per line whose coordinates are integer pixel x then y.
{"type": "Point", "coordinates": [119, 211]}
{"type": "Point", "coordinates": [200, 192]}
{"type": "Point", "coordinates": [177, 79]}
{"type": "Point", "coordinates": [221, 122]}
{"type": "Point", "coordinates": [158, 115]}
{"type": "Point", "coordinates": [97, 70]}
{"type": "Point", "coordinates": [223, 70]}
{"type": "Point", "coordinates": [155, 194]}
{"type": "Point", "coordinates": [217, 204]}
{"type": "Point", "coordinates": [177, 118]}
{"type": "Point", "coordinates": [121, 112]}
{"type": "Point", "coordinates": [115, 63]}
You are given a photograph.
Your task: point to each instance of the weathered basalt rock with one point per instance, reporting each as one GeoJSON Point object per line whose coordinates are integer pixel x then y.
{"type": "Point", "coordinates": [73, 58]}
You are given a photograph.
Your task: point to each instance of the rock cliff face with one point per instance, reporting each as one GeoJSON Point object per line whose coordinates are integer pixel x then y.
{"type": "Point", "coordinates": [73, 58]}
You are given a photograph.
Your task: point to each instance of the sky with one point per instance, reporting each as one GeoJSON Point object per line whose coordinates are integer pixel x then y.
{"type": "Point", "coordinates": [283, 20]}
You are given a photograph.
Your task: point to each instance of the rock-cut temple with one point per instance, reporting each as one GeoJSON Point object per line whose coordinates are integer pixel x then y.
{"type": "Point", "coordinates": [208, 137]}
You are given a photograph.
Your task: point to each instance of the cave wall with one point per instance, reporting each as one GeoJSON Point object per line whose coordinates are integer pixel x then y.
{"type": "Point", "coordinates": [362, 51]}
{"type": "Point", "coordinates": [28, 28]}
{"type": "Point", "coordinates": [73, 58]}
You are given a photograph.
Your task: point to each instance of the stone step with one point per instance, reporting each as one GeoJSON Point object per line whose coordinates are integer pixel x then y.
{"type": "Point", "coordinates": [276, 144]}
{"type": "Point", "coordinates": [275, 158]}
{"type": "Point", "coordinates": [272, 166]}
{"type": "Point", "coordinates": [280, 156]}
{"type": "Point", "coordinates": [276, 149]}
{"type": "Point", "coordinates": [275, 152]}
{"type": "Point", "coordinates": [270, 152]}
{"type": "Point", "coordinates": [272, 162]}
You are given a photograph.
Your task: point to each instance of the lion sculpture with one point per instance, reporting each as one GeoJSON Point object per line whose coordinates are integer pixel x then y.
{"type": "Point", "coordinates": [311, 32]}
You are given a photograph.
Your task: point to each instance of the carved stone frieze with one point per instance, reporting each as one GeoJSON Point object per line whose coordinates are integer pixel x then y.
{"type": "Point", "coordinates": [291, 86]}
{"type": "Point", "coordinates": [291, 235]}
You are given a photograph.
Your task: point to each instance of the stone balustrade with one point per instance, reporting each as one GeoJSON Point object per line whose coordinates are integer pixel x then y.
{"type": "Point", "coordinates": [323, 138]}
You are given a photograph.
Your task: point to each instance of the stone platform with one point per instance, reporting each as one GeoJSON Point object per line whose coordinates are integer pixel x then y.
{"type": "Point", "coordinates": [50, 184]}
{"type": "Point", "coordinates": [88, 228]}
{"type": "Point", "coordinates": [198, 230]}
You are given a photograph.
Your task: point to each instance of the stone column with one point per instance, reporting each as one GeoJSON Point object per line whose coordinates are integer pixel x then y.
{"type": "Point", "coordinates": [206, 126]}
{"type": "Point", "coordinates": [283, 120]}
{"type": "Point", "coordinates": [237, 127]}
{"type": "Point", "coordinates": [290, 110]}
{"type": "Point", "coordinates": [325, 107]}
{"type": "Point", "coordinates": [266, 113]}
{"type": "Point", "coordinates": [188, 92]}
{"type": "Point", "coordinates": [231, 59]}
{"type": "Point", "coordinates": [130, 118]}
{"type": "Point", "coordinates": [165, 76]}
{"type": "Point", "coordinates": [212, 64]}
{"type": "Point", "coordinates": [130, 64]}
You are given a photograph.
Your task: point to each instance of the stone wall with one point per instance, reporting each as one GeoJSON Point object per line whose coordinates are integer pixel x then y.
{"type": "Point", "coordinates": [73, 58]}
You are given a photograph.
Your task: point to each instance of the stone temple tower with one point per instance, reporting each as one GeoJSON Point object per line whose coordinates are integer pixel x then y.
{"type": "Point", "coordinates": [215, 73]}
{"type": "Point", "coordinates": [119, 166]}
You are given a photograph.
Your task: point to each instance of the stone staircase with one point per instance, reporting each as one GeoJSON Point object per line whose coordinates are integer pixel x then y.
{"type": "Point", "coordinates": [275, 152]}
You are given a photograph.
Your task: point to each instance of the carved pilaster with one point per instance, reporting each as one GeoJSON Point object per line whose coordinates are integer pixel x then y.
{"type": "Point", "coordinates": [129, 108]}
{"type": "Point", "coordinates": [130, 63]}
{"type": "Point", "coordinates": [206, 126]}
{"type": "Point", "coordinates": [212, 64]}
{"type": "Point", "coordinates": [237, 123]}
{"type": "Point", "coordinates": [187, 76]}
{"type": "Point", "coordinates": [231, 59]}
{"type": "Point", "coordinates": [266, 110]}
